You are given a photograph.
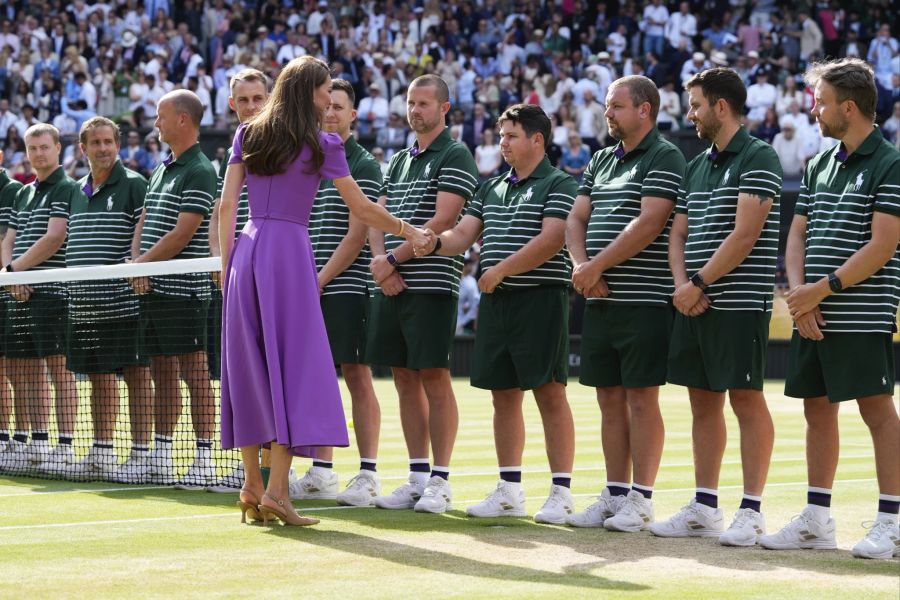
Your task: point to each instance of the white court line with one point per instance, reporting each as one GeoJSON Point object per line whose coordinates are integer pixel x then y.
{"type": "Point", "coordinates": [324, 508]}
{"type": "Point", "coordinates": [455, 474]}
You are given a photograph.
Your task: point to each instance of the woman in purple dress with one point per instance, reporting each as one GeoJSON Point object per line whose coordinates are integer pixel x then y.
{"type": "Point", "coordinates": [278, 380]}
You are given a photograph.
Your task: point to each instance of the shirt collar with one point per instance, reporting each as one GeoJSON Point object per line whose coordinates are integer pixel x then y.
{"type": "Point", "coordinates": [54, 178]}
{"type": "Point", "coordinates": [438, 144]}
{"type": "Point", "coordinates": [868, 146]}
{"type": "Point", "coordinates": [734, 146]}
{"type": "Point", "coordinates": [117, 172]}
{"type": "Point", "coordinates": [543, 169]}
{"type": "Point", "coordinates": [186, 156]}
{"type": "Point", "coordinates": [642, 146]}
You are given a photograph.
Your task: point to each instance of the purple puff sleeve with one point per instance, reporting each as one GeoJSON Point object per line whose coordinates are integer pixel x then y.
{"type": "Point", "coordinates": [335, 164]}
{"type": "Point", "coordinates": [236, 154]}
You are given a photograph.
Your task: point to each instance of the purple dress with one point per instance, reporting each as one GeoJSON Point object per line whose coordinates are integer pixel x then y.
{"type": "Point", "coordinates": [278, 377]}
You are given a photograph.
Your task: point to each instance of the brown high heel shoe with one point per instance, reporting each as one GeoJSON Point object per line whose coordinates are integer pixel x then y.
{"type": "Point", "coordinates": [282, 513]}
{"type": "Point", "coordinates": [249, 503]}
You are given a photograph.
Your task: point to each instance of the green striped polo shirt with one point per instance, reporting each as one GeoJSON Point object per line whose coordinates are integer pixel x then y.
{"type": "Point", "coordinates": [9, 188]}
{"type": "Point", "coordinates": [243, 207]}
{"type": "Point", "coordinates": [36, 203]}
{"type": "Point", "coordinates": [709, 198]}
{"type": "Point", "coordinates": [838, 197]}
{"type": "Point", "coordinates": [513, 211]}
{"type": "Point", "coordinates": [411, 185]}
{"type": "Point", "coordinates": [187, 184]}
{"type": "Point", "coordinates": [329, 221]}
{"type": "Point", "coordinates": [101, 227]}
{"type": "Point", "coordinates": [616, 181]}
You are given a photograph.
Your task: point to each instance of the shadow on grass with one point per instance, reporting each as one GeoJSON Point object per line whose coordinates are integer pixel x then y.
{"type": "Point", "coordinates": [407, 555]}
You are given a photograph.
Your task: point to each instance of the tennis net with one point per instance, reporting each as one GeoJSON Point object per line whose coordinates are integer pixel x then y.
{"type": "Point", "coordinates": [110, 373]}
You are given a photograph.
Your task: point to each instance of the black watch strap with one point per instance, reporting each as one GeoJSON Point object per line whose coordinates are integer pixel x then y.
{"type": "Point", "coordinates": [834, 282]}
{"type": "Point", "coordinates": [9, 267]}
{"type": "Point", "coordinates": [697, 280]}
{"type": "Point", "coordinates": [437, 246]}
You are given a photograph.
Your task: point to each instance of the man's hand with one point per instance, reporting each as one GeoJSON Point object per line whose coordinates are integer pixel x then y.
{"type": "Point", "coordinates": [140, 285]}
{"type": "Point", "coordinates": [690, 300]}
{"type": "Point", "coordinates": [804, 298]}
{"type": "Point", "coordinates": [585, 276]}
{"type": "Point", "coordinates": [809, 325]}
{"type": "Point", "coordinates": [393, 284]}
{"type": "Point", "coordinates": [490, 279]}
{"type": "Point", "coordinates": [381, 269]}
{"type": "Point", "coordinates": [430, 242]}
{"type": "Point", "coordinates": [321, 283]}
{"type": "Point", "coordinates": [599, 290]}
{"type": "Point", "coordinates": [21, 293]}
{"type": "Point", "coordinates": [217, 278]}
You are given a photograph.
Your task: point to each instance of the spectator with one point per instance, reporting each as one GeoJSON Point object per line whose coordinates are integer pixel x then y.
{"type": "Point", "coordinates": [575, 157]}
{"type": "Point", "coordinates": [787, 95]}
{"type": "Point", "coordinates": [487, 156]}
{"type": "Point", "coordinates": [393, 137]}
{"type": "Point", "coordinates": [591, 123]}
{"type": "Point", "coordinates": [891, 127]}
{"type": "Point", "coordinates": [882, 52]}
{"type": "Point", "coordinates": [373, 111]}
{"type": "Point", "coordinates": [789, 147]}
{"type": "Point", "coordinates": [810, 36]}
{"type": "Point", "coordinates": [469, 296]}
{"type": "Point", "coordinates": [669, 117]}
{"type": "Point", "coordinates": [681, 27]}
{"type": "Point", "coordinates": [761, 96]}
{"type": "Point", "coordinates": [768, 128]}
{"type": "Point", "coordinates": [695, 65]}
{"type": "Point", "coordinates": [133, 154]}
{"type": "Point", "coordinates": [653, 24]}
{"type": "Point", "coordinates": [481, 121]}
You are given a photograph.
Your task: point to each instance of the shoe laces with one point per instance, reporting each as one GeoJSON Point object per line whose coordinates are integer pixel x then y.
{"type": "Point", "coordinates": [358, 481]}
{"type": "Point", "coordinates": [407, 489]}
{"type": "Point", "coordinates": [435, 487]}
{"type": "Point", "coordinates": [742, 517]}
{"type": "Point", "coordinates": [631, 506]}
{"type": "Point", "coordinates": [878, 529]}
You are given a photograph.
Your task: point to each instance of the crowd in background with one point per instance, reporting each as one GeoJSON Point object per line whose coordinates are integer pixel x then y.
{"type": "Point", "coordinates": [63, 62]}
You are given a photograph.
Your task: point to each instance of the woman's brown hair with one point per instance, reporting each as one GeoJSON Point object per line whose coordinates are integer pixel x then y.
{"type": "Point", "coordinates": [288, 121]}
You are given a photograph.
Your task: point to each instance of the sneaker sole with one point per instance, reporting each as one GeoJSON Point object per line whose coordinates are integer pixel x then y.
{"type": "Point", "coordinates": [685, 534]}
{"type": "Point", "coordinates": [190, 487]}
{"type": "Point", "coordinates": [316, 496]}
{"type": "Point", "coordinates": [795, 546]}
{"type": "Point", "coordinates": [394, 506]}
{"type": "Point", "coordinates": [584, 525]}
{"type": "Point", "coordinates": [345, 502]}
{"type": "Point", "coordinates": [610, 526]}
{"type": "Point", "coordinates": [884, 555]}
{"type": "Point", "coordinates": [738, 544]}
{"type": "Point", "coordinates": [546, 521]}
{"type": "Point", "coordinates": [508, 513]}
{"type": "Point", "coordinates": [222, 489]}
{"type": "Point", "coordinates": [434, 511]}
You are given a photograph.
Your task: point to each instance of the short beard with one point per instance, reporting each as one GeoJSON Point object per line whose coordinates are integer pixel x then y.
{"type": "Point", "coordinates": [709, 129]}
{"type": "Point", "coordinates": [837, 132]}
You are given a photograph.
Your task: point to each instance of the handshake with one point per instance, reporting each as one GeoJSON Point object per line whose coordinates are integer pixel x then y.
{"type": "Point", "coordinates": [384, 267]}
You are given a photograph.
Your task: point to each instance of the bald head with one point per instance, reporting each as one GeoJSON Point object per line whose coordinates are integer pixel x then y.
{"type": "Point", "coordinates": [185, 102]}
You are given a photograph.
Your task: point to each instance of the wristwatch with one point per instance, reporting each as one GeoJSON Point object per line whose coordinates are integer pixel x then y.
{"type": "Point", "coordinates": [697, 280]}
{"type": "Point", "coordinates": [392, 260]}
{"type": "Point", "coordinates": [437, 246]}
{"type": "Point", "coordinates": [834, 282]}
{"type": "Point", "coordinates": [9, 267]}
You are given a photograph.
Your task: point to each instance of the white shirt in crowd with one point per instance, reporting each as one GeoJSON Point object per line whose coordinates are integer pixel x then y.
{"type": "Point", "coordinates": [657, 14]}
{"type": "Point", "coordinates": [681, 27]}
{"type": "Point", "coordinates": [760, 97]}
{"type": "Point", "coordinates": [790, 153]}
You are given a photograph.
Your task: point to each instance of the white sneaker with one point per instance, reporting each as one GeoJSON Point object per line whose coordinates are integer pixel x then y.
{"type": "Point", "coordinates": [436, 497]}
{"type": "Point", "coordinates": [404, 496]}
{"type": "Point", "coordinates": [557, 507]}
{"type": "Point", "coordinates": [230, 483]}
{"type": "Point", "coordinates": [162, 467]}
{"type": "Point", "coordinates": [200, 476]}
{"type": "Point", "coordinates": [882, 541]}
{"type": "Point", "coordinates": [13, 460]}
{"type": "Point", "coordinates": [693, 520]}
{"type": "Point", "coordinates": [745, 530]}
{"type": "Point", "coordinates": [36, 453]}
{"type": "Point", "coordinates": [317, 484]}
{"type": "Point", "coordinates": [596, 514]}
{"type": "Point", "coordinates": [134, 470]}
{"type": "Point", "coordinates": [61, 461]}
{"type": "Point", "coordinates": [361, 490]}
{"type": "Point", "coordinates": [99, 463]}
{"type": "Point", "coordinates": [635, 514]}
{"type": "Point", "coordinates": [507, 500]}
{"type": "Point", "coordinates": [802, 533]}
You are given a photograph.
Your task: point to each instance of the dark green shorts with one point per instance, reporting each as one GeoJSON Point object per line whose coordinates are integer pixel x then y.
{"type": "Point", "coordinates": [623, 344]}
{"type": "Point", "coordinates": [412, 331]}
{"type": "Point", "coordinates": [104, 346]}
{"type": "Point", "coordinates": [719, 350]}
{"type": "Point", "coordinates": [36, 328]}
{"type": "Point", "coordinates": [522, 340]}
{"type": "Point", "coordinates": [172, 326]}
{"type": "Point", "coordinates": [346, 316]}
{"type": "Point", "coordinates": [842, 366]}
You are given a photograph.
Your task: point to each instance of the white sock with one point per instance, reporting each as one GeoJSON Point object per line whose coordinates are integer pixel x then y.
{"type": "Point", "coordinates": [819, 514]}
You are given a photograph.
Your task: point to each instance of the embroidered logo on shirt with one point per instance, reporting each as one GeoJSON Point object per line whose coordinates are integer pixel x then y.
{"type": "Point", "coordinates": [727, 175]}
{"type": "Point", "coordinates": [859, 181]}
{"type": "Point", "coordinates": [527, 195]}
{"type": "Point", "coordinates": [109, 202]}
{"type": "Point", "coordinates": [428, 170]}
{"type": "Point", "coordinates": [632, 173]}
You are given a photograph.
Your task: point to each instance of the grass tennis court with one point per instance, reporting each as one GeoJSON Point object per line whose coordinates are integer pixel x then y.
{"type": "Point", "coordinates": [60, 539]}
